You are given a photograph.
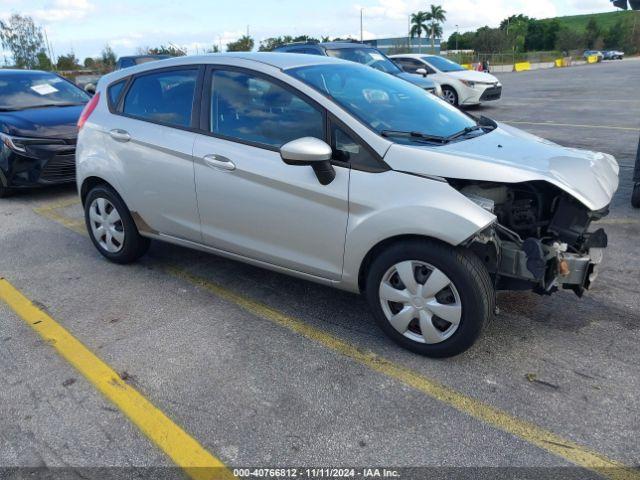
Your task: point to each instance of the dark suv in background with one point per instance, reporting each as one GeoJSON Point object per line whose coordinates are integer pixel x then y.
{"type": "Point", "coordinates": [133, 60]}
{"type": "Point", "coordinates": [364, 54]}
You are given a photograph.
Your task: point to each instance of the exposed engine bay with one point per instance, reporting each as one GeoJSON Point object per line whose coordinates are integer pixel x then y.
{"type": "Point", "coordinates": [540, 237]}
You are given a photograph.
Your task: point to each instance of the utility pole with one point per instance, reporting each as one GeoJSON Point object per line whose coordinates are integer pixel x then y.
{"type": "Point", "coordinates": [361, 30]}
{"type": "Point", "coordinates": [457, 36]}
{"type": "Point", "coordinates": [46, 39]}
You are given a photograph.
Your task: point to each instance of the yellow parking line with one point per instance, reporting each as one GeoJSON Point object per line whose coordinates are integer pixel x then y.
{"type": "Point", "coordinates": [549, 124]}
{"type": "Point", "coordinates": [184, 450]}
{"type": "Point", "coordinates": [529, 432]}
{"type": "Point", "coordinates": [544, 439]}
{"type": "Point", "coordinates": [50, 211]}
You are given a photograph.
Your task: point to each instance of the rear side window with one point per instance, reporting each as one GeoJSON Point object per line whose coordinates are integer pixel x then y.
{"type": "Point", "coordinates": [114, 92]}
{"type": "Point", "coordinates": [255, 110]}
{"type": "Point", "coordinates": [164, 97]}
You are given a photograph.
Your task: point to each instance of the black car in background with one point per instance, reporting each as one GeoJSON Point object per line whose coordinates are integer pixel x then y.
{"type": "Point", "coordinates": [361, 53]}
{"type": "Point", "coordinates": [133, 60]}
{"type": "Point", "coordinates": [38, 116]}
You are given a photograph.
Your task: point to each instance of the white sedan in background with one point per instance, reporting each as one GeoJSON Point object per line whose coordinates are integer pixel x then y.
{"type": "Point", "coordinates": [459, 85]}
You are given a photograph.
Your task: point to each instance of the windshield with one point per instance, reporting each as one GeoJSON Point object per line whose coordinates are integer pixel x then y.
{"type": "Point", "coordinates": [366, 56]}
{"type": "Point", "coordinates": [384, 102]}
{"type": "Point", "coordinates": [443, 64]}
{"type": "Point", "coordinates": [19, 91]}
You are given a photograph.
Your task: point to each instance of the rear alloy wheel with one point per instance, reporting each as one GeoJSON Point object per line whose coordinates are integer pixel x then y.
{"type": "Point", "coordinates": [429, 297]}
{"type": "Point", "coordinates": [450, 95]}
{"type": "Point", "coordinates": [111, 228]}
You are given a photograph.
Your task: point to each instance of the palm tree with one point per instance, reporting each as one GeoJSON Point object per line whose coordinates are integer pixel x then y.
{"type": "Point", "coordinates": [436, 31]}
{"type": "Point", "coordinates": [419, 26]}
{"type": "Point", "coordinates": [437, 16]}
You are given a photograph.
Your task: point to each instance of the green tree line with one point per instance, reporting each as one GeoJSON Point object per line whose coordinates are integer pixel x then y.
{"type": "Point", "coordinates": [519, 33]}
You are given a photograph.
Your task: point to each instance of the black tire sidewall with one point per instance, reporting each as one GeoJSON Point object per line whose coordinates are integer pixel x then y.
{"type": "Point", "coordinates": [474, 292]}
{"type": "Point", "coordinates": [134, 244]}
{"type": "Point", "coordinates": [635, 196]}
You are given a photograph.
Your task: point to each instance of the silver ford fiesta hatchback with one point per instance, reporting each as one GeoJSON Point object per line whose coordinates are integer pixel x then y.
{"type": "Point", "coordinates": [343, 175]}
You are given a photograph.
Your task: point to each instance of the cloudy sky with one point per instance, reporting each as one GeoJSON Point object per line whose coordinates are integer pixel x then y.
{"type": "Point", "coordinates": [85, 26]}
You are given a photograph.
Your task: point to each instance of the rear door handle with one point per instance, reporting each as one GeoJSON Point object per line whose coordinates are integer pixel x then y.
{"type": "Point", "coordinates": [120, 135]}
{"type": "Point", "coordinates": [219, 162]}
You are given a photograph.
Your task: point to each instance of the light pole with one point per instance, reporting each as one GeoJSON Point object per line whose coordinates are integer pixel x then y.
{"type": "Point", "coordinates": [361, 14]}
{"type": "Point", "coordinates": [457, 36]}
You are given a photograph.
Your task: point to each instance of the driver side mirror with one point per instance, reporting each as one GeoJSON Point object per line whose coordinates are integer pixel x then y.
{"type": "Point", "coordinates": [312, 152]}
{"type": "Point", "coordinates": [422, 71]}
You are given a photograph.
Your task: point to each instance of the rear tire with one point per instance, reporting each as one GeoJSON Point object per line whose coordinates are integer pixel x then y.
{"type": "Point", "coordinates": [429, 297]}
{"type": "Point", "coordinates": [111, 227]}
{"type": "Point", "coordinates": [450, 95]}
{"type": "Point", "coordinates": [635, 196]}
{"type": "Point", "coordinates": [4, 192]}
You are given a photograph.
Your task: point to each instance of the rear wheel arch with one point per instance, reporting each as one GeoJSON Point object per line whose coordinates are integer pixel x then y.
{"type": "Point", "coordinates": [90, 183]}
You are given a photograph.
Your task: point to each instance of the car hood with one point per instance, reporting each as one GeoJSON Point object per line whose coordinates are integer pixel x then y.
{"type": "Point", "coordinates": [474, 76]}
{"type": "Point", "coordinates": [509, 155]}
{"type": "Point", "coordinates": [418, 80]}
{"type": "Point", "coordinates": [50, 122]}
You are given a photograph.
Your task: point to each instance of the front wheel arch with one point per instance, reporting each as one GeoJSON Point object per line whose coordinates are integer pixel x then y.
{"type": "Point", "coordinates": [383, 245]}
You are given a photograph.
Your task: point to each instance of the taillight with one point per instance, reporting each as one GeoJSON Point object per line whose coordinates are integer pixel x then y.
{"type": "Point", "coordinates": [88, 110]}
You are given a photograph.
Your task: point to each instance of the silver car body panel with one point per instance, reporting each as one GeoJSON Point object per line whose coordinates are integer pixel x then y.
{"type": "Point", "coordinates": [509, 155]}
{"type": "Point", "coordinates": [279, 216]}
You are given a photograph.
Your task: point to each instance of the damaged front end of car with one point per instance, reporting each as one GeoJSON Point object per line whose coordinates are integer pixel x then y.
{"type": "Point", "coordinates": [541, 238]}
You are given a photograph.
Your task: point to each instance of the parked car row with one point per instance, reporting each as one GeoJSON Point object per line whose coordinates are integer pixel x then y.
{"type": "Point", "coordinates": [324, 169]}
{"type": "Point", "coordinates": [606, 55]}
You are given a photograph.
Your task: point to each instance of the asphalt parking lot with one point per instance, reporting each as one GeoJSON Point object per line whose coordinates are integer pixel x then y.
{"type": "Point", "coordinates": [264, 370]}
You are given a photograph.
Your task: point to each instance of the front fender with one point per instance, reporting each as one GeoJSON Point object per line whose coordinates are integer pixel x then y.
{"type": "Point", "coordinates": [391, 204]}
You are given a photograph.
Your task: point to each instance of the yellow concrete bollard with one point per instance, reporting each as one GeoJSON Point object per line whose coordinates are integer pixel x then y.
{"type": "Point", "coordinates": [522, 66]}
{"type": "Point", "coordinates": [592, 59]}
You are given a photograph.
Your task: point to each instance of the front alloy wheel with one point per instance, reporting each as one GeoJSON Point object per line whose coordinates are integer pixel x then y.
{"type": "Point", "coordinates": [420, 302]}
{"type": "Point", "coordinates": [450, 96]}
{"type": "Point", "coordinates": [430, 297]}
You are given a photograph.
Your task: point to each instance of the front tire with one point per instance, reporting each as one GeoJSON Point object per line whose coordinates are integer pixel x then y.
{"type": "Point", "coordinates": [430, 298]}
{"type": "Point", "coordinates": [450, 95]}
{"type": "Point", "coordinates": [111, 227]}
{"type": "Point", "coordinates": [4, 192]}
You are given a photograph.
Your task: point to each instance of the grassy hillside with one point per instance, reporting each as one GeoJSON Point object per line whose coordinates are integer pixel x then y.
{"type": "Point", "coordinates": [605, 20]}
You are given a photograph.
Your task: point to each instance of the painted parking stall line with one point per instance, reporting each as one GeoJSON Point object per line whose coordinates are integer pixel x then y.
{"type": "Point", "coordinates": [183, 449]}
{"type": "Point", "coordinates": [571, 125]}
{"type": "Point", "coordinates": [544, 439]}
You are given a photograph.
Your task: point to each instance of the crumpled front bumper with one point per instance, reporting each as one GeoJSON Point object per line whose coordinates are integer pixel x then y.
{"type": "Point", "coordinates": [574, 271]}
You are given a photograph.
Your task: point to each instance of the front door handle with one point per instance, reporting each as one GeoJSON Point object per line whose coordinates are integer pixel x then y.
{"type": "Point", "coordinates": [120, 135]}
{"type": "Point", "coordinates": [219, 162]}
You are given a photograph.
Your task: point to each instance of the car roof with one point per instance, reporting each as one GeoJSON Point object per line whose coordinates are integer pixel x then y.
{"type": "Point", "coordinates": [25, 72]}
{"type": "Point", "coordinates": [415, 55]}
{"type": "Point", "coordinates": [150, 55]}
{"type": "Point", "coordinates": [333, 45]}
{"type": "Point", "coordinates": [279, 60]}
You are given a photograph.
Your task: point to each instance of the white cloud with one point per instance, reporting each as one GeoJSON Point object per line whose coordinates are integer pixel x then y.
{"type": "Point", "coordinates": [63, 10]}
